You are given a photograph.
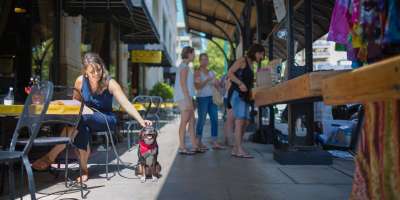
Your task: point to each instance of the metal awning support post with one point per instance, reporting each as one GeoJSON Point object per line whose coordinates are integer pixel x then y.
{"type": "Point", "coordinates": [55, 68]}
{"type": "Point", "coordinates": [309, 68]}
{"type": "Point", "coordinates": [212, 21]}
{"type": "Point", "coordinates": [264, 26]}
{"type": "Point", "coordinates": [308, 28]}
{"type": "Point", "coordinates": [247, 41]}
{"type": "Point", "coordinates": [271, 108]}
{"type": "Point", "coordinates": [246, 16]}
{"type": "Point", "coordinates": [300, 111]}
{"type": "Point", "coordinates": [259, 7]}
{"type": "Point", "coordinates": [267, 134]}
{"type": "Point", "coordinates": [290, 65]}
{"type": "Point", "coordinates": [239, 26]}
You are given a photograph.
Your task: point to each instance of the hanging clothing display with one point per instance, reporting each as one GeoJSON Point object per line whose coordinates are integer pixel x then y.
{"type": "Point", "coordinates": [339, 31]}
{"type": "Point", "coordinates": [368, 28]}
{"type": "Point", "coordinates": [377, 174]}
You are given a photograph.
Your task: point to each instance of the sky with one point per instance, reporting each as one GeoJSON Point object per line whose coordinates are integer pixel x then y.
{"type": "Point", "coordinates": [180, 11]}
{"type": "Point", "coordinates": [180, 18]}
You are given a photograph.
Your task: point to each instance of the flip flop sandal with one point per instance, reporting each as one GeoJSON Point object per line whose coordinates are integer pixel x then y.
{"type": "Point", "coordinates": [43, 161]}
{"type": "Point", "coordinates": [219, 148]}
{"type": "Point", "coordinates": [85, 178]}
{"type": "Point", "coordinates": [247, 156]}
{"type": "Point", "coordinates": [199, 150]}
{"type": "Point", "coordinates": [185, 152]}
{"type": "Point", "coordinates": [204, 148]}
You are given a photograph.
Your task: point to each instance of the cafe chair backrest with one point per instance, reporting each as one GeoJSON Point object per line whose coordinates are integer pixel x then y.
{"type": "Point", "coordinates": [61, 92]}
{"type": "Point", "coordinates": [145, 101]}
{"type": "Point", "coordinates": [35, 108]}
{"type": "Point", "coordinates": [156, 102]}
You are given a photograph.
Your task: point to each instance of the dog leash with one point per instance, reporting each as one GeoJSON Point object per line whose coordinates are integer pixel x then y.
{"type": "Point", "coordinates": [119, 160]}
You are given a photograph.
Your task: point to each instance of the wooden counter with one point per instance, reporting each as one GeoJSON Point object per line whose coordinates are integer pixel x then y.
{"type": "Point", "coordinates": [378, 81]}
{"type": "Point", "coordinates": [302, 87]}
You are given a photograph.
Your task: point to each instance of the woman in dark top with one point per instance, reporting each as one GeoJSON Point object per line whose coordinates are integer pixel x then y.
{"type": "Point", "coordinates": [97, 91]}
{"type": "Point", "coordinates": [242, 77]}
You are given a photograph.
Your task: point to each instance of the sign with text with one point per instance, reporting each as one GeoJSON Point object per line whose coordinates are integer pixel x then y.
{"type": "Point", "coordinates": [146, 56]}
{"type": "Point", "coordinates": [280, 9]}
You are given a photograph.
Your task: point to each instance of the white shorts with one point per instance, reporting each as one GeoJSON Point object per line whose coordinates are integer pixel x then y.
{"type": "Point", "coordinates": [185, 104]}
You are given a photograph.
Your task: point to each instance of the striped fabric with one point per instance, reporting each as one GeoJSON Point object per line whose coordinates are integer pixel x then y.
{"type": "Point", "coordinates": [377, 173]}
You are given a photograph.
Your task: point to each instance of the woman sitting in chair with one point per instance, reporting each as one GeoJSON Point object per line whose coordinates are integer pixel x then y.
{"type": "Point", "coordinates": [97, 91]}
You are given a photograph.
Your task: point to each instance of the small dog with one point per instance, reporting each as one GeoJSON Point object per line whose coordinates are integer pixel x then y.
{"type": "Point", "coordinates": [147, 155]}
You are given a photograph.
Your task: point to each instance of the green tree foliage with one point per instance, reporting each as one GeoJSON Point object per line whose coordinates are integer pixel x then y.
{"type": "Point", "coordinates": [42, 55]}
{"type": "Point", "coordinates": [163, 90]}
{"type": "Point", "coordinates": [216, 58]}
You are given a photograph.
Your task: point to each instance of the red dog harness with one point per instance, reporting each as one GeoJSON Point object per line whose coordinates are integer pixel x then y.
{"type": "Point", "coordinates": [144, 148]}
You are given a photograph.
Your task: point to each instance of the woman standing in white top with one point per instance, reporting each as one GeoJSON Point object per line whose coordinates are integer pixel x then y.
{"type": "Point", "coordinates": [205, 82]}
{"type": "Point", "coordinates": [183, 96]}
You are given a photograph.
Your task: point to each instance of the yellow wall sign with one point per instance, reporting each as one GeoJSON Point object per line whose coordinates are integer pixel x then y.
{"type": "Point", "coordinates": [146, 56]}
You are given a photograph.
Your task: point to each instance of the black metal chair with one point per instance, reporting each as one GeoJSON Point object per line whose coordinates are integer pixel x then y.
{"type": "Point", "coordinates": [133, 127]}
{"type": "Point", "coordinates": [62, 93]}
{"type": "Point", "coordinates": [153, 112]}
{"type": "Point", "coordinates": [33, 113]}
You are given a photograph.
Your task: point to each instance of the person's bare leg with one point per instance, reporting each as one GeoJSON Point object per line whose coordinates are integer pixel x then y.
{"type": "Point", "coordinates": [67, 131]}
{"type": "Point", "coordinates": [83, 158]}
{"type": "Point", "coordinates": [191, 130]}
{"type": "Point", "coordinates": [185, 117]}
{"type": "Point", "coordinates": [228, 127]}
{"type": "Point", "coordinates": [45, 161]}
{"type": "Point", "coordinates": [239, 130]}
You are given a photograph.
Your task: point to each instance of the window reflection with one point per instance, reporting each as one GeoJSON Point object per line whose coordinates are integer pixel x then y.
{"type": "Point", "coordinates": [43, 19]}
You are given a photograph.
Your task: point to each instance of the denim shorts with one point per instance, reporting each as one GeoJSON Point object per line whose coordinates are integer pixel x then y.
{"type": "Point", "coordinates": [240, 107]}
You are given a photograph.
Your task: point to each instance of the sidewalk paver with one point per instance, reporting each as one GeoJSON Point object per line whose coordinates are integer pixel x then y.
{"type": "Point", "coordinates": [213, 175]}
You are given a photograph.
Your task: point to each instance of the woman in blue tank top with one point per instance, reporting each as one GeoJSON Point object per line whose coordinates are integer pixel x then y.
{"type": "Point", "coordinates": [97, 92]}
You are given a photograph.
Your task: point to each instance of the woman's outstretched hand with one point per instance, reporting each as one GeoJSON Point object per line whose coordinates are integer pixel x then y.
{"type": "Point", "coordinates": [146, 123]}
{"type": "Point", "coordinates": [243, 87]}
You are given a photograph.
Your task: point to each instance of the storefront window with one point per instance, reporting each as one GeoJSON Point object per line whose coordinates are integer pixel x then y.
{"type": "Point", "coordinates": [113, 53]}
{"type": "Point", "coordinates": [86, 44]}
{"type": "Point", "coordinates": [43, 19]}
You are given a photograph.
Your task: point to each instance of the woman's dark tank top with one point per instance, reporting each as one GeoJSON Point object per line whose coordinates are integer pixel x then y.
{"type": "Point", "coordinates": [246, 75]}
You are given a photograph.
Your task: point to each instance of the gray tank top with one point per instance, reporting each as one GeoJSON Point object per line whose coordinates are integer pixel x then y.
{"type": "Point", "coordinates": [207, 90]}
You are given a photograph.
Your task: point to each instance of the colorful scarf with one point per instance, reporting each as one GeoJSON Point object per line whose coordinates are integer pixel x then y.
{"type": "Point", "coordinates": [377, 173]}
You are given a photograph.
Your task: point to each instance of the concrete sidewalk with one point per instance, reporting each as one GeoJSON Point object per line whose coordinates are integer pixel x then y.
{"type": "Point", "coordinates": [212, 175]}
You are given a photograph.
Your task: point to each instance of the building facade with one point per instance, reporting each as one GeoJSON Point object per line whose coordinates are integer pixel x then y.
{"type": "Point", "coordinates": [47, 38]}
{"type": "Point", "coordinates": [325, 56]}
{"type": "Point", "coordinates": [163, 14]}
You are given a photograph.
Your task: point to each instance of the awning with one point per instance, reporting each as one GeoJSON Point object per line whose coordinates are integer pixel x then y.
{"type": "Point", "coordinates": [321, 12]}
{"type": "Point", "coordinates": [200, 15]}
{"type": "Point", "coordinates": [135, 22]}
{"type": "Point", "coordinates": [142, 29]}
